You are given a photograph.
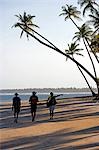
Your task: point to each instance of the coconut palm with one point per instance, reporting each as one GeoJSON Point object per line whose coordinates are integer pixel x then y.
{"type": "Point", "coordinates": [94, 20]}
{"type": "Point", "coordinates": [70, 12]}
{"type": "Point", "coordinates": [89, 5]}
{"type": "Point", "coordinates": [72, 50]}
{"type": "Point", "coordinates": [25, 27]}
{"type": "Point", "coordinates": [85, 34]}
{"type": "Point", "coordinates": [26, 23]}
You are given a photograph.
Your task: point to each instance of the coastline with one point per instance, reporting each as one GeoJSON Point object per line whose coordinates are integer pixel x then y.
{"type": "Point", "coordinates": [7, 97]}
{"type": "Point", "coordinates": [74, 127]}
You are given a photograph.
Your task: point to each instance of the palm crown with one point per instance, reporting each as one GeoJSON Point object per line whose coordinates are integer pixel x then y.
{"type": "Point", "coordinates": [70, 11]}
{"type": "Point", "coordinates": [26, 23]}
{"type": "Point", "coordinates": [73, 49]}
{"type": "Point", "coordinates": [89, 5]}
{"type": "Point", "coordinates": [84, 32]}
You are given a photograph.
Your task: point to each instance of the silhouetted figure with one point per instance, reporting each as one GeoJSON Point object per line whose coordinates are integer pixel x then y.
{"type": "Point", "coordinates": [33, 102]}
{"type": "Point", "coordinates": [51, 104]}
{"type": "Point", "coordinates": [16, 106]}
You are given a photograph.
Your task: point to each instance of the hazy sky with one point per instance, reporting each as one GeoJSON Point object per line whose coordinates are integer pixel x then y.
{"type": "Point", "coordinates": [28, 64]}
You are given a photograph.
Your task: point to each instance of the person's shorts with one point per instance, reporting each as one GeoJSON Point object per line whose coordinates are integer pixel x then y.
{"type": "Point", "coordinates": [51, 108]}
{"type": "Point", "coordinates": [33, 108]}
{"type": "Point", "coordinates": [16, 110]}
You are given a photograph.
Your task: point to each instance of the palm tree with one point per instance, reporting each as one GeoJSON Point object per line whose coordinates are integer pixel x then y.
{"type": "Point", "coordinates": [70, 12]}
{"type": "Point", "coordinates": [85, 34]}
{"type": "Point", "coordinates": [25, 27]}
{"type": "Point", "coordinates": [72, 50]}
{"type": "Point", "coordinates": [25, 22]}
{"type": "Point", "coordinates": [89, 5]}
{"type": "Point", "coordinates": [94, 20]}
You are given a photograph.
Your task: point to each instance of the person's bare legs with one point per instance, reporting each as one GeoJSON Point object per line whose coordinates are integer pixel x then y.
{"type": "Point", "coordinates": [14, 115]}
{"type": "Point", "coordinates": [52, 114]}
{"type": "Point", "coordinates": [17, 117]}
{"type": "Point", "coordinates": [33, 115]}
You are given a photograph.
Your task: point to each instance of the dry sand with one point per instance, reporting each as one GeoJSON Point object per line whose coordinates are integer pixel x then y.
{"type": "Point", "coordinates": [75, 127]}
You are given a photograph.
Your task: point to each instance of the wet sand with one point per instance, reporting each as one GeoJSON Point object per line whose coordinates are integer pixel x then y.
{"type": "Point", "coordinates": [75, 127]}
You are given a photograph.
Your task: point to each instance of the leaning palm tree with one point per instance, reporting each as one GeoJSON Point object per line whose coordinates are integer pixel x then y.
{"type": "Point", "coordinates": [25, 27]}
{"type": "Point", "coordinates": [72, 50]}
{"type": "Point", "coordinates": [85, 33]}
{"type": "Point", "coordinates": [26, 24]}
{"type": "Point", "coordinates": [70, 12]}
{"type": "Point", "coordinates": [89, 5]}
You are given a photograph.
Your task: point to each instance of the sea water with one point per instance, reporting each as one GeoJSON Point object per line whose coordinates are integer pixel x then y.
{"type": "Point", "coordinates": [7, 97]}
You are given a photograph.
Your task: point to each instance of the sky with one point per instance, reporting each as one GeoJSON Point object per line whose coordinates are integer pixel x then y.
{"type": "Point", "coordinates": [28, 64]}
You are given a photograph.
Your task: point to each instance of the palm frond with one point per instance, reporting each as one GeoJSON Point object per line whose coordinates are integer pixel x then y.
{"type": "Point", "coordinates": [21, 33]}
{"type": "Point", "coordinates": [34, 25]}
{"type": "Point", "coordinates": [79, 54]}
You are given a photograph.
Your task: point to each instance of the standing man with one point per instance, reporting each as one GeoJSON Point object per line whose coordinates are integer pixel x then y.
{"type": "Point", "coordinates": [16, 104]}
{"type": "Point", "coordinates": [33, 102]}
{"type": "Point", "coordinates": [51, 104]}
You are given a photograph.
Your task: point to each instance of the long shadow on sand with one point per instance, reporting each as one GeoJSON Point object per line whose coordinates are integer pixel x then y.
{"type": "Point", "coordinates": [53, 141]}
{"type": "Point", "coordinates": [72, 113]}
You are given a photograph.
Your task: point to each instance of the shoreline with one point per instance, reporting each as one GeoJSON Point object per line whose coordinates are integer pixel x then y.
{"type": "Point", "coordinates": [24, 97]}
{"type": "Point", "coordinates": [75, 126]}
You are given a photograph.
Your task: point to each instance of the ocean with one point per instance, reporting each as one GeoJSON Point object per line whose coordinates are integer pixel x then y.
{"type": "Point", "coordinates": [7, 97]}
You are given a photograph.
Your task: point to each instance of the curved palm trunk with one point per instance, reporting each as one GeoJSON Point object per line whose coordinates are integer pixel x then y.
{"type": "Point", "coordinates": [59, 51]}
{"type": "Point", "coordinates": [90, 57]}
{"type": "Point", "coordinates": [89, 46]}
{"type": "Point", "coordinates": [74, 23]}
{"type": "Point", "coordinates": [52, 43]}
{"type": "Point", "coordinates": [92, 65]}
{"type": "Point", "coordinates": [93, 94]}
{"type": "Point", "coordinates": [87, 49]}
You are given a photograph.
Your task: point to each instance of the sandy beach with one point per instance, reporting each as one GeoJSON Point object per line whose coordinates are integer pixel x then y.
{"type": "Point", "coordinates": [75, 127]}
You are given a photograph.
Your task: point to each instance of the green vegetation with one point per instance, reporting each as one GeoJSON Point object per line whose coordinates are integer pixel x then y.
{"type": "Point", "coordinates": [89, 37]}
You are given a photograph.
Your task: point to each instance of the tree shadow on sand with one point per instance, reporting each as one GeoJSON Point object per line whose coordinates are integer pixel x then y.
{"type": "Point", "coordinates": [66, 112]}
{"type": "Point", "coordinates": [55, 140]}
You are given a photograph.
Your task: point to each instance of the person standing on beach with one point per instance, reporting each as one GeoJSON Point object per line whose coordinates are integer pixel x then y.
{"type": "Point", "coordinates": [33, 102]}
{"type": "Point", "coordinates": [16, 104]}
{"type": "Point", "coordinates": [51, 104]}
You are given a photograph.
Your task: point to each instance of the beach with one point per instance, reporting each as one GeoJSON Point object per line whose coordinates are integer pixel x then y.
{"type": "Point", "coordinates": [75, 126]}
